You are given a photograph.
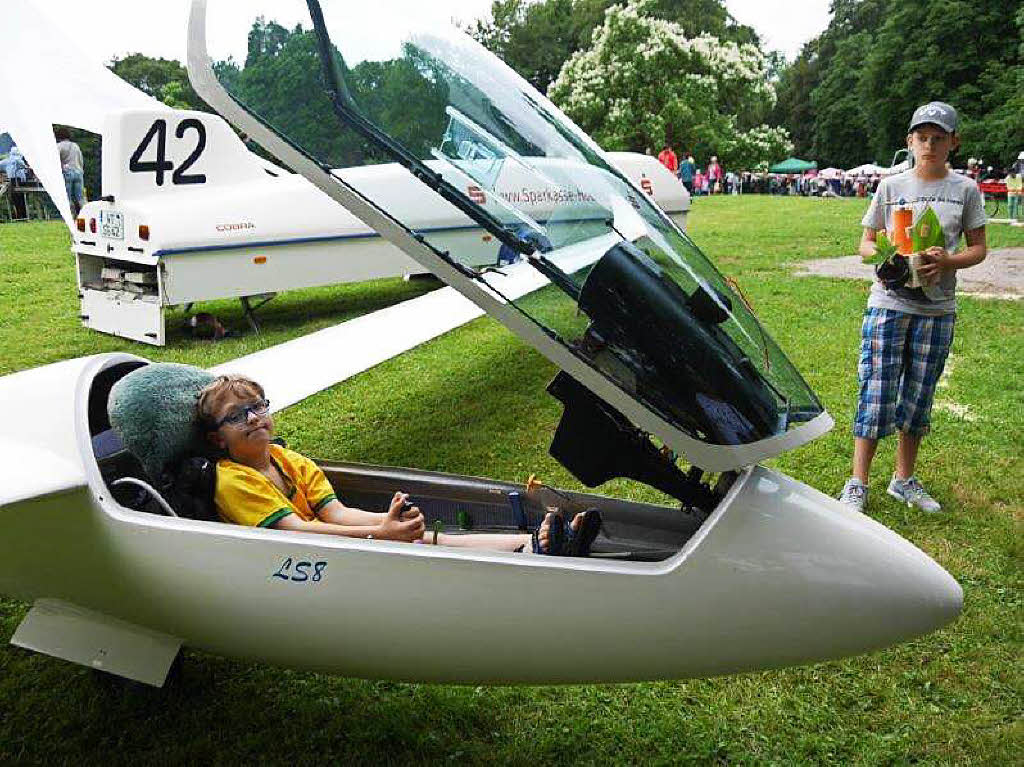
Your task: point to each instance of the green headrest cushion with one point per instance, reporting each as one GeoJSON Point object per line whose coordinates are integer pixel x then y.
{"type": "Point", "coordinates": [153, 410]}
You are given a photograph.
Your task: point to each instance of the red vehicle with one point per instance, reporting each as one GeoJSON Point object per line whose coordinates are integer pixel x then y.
{"type": "Point", "coordinates": [994, 192]}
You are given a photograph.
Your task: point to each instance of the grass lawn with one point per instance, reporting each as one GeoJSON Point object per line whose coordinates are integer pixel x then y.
{"type": "Point", "coordinates": [954, 697]}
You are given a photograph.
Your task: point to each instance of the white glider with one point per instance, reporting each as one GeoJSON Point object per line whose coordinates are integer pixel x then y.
{"type": "Point", "coordinates": [746, 570]}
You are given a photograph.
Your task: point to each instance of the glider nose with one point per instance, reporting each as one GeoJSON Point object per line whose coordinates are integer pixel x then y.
{"type": "Point", "coordinates": [939, 594]}
{"type": "Point", "coordinates": [914, 593]}
{"type": "Point", "coordinates": [814, 580]}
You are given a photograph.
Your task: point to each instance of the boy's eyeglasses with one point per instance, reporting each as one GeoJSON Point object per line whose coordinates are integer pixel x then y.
{"type": "Point", "coordinates": [240, 414]}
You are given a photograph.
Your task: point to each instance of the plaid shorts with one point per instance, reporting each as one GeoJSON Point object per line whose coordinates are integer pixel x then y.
{"type": "Point", "coordinates": [901, 358]}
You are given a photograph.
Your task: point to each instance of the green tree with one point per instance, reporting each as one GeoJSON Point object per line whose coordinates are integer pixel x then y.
{"type": "Point", "coordinates": [997, 134]}
{"type": "Point", "coordinates": [164, 79]}
{"type": "Point", "coordinates": [266, 40]}
{"type": "Point", "coordinates": [399, 97]}
{"type": "Point", "coordinates": [793, 107]}
{"type": "Point", "coordinates": [820, 94]}
{"type": "Point", "coordinates": [849, 94]}
{"type": "Point", "coordinates": [642, 83]}
{"type": "Point", "coordinates": [924, 52]}
{"type": "Point", "coordinates": [841, 119]}
{"type": "Point", "coordinates": [537, 38]}
{"type": "Point", "coordinates": [999, 128]}
{"type": "Point", "coordinates": [282, 81]}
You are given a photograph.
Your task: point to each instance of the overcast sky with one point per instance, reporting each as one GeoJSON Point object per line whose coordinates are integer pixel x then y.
{"type": "Point", "coordinates": [108, 28]}
{"type": "Point", "coordinates": [784, 25]}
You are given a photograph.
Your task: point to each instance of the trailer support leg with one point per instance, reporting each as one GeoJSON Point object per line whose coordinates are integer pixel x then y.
{"type": "Point", "coordinates": [249, 310]}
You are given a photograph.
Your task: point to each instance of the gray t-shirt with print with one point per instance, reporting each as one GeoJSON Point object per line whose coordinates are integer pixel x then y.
{"type": "Point", "coordinates": [957, 202]}
{"type": "Point", "coordinates": [70, 155]}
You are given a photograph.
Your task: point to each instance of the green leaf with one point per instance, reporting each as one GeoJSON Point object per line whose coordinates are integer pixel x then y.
{"type": "Point", "coordinates": [884, 250]}
{"type": "Point", "coordinates": [927, 232]}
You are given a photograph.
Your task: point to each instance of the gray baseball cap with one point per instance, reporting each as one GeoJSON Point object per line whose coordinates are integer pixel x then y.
{"type": "Point", "coordinates": [937, 113]}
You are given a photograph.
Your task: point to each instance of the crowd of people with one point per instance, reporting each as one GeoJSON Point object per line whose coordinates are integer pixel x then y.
{"type": "Point", "coordinates": [714, 179]}
{"type": "Point", "coordinates": [14, 168]}
{"type": "Point", "coordinates": [700, 181]}
{"type": "Point", "coordinates": [809, 185]}
{"type": "Point", "coordinates": [978, 171]}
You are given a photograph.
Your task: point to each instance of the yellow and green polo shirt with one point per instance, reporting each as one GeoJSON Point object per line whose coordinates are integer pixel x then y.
{"type": "Point", "coordinates": [246, 497]}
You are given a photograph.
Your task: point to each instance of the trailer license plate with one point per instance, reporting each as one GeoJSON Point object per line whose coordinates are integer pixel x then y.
{"type": "Point", "coordinates": [112, 225]}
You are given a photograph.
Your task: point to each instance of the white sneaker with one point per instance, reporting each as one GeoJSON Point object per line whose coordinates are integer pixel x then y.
{"type": "Point", "coordinates": [912, 493]}
{"type": "Point", "coordinates": [854, 495]}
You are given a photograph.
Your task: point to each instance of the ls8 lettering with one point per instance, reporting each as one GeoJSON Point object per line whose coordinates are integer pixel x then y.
{"type": "Point", "coordinates": [299, 572]}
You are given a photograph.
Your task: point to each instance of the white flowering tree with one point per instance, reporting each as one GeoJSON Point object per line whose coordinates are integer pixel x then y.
{"type": "Point", "coordinates": [643, 83]}
{"type": "Point", "coordinates": [756, 149]}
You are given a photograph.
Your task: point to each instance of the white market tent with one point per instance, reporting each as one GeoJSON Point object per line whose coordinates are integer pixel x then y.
{"type": "Point", "coordinates": [898, 168]}
{"type": "Point", "coordinates": [830, 173]}
{"type": "Point", "coordinates": [867, 169]}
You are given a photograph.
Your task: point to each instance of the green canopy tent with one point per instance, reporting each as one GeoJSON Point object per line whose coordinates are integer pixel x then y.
{"type": "Point", "coordinates": [793, 165]}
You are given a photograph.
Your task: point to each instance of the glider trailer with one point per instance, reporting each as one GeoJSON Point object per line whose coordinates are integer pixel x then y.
{"type": "Point", "coordinates": [189, 214]}
{"type": "Point", "coordinates": [744, 569]}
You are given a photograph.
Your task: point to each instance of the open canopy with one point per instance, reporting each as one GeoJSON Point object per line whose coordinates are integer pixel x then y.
{"type": "Point", "coordinates": [793, 165]}
{"type": "Point", "coordinates": [634, 311]}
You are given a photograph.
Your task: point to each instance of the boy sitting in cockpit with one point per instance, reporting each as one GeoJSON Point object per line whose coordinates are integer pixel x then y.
{"type": "Point", "coordinates": [262, 484]}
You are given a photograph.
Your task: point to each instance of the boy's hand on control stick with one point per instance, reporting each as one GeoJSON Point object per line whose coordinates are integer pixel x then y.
{"type": "Point", "coordinates": [396, 527]}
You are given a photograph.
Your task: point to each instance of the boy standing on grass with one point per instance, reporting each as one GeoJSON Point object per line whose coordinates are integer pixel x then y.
{"type": "Point", "coordinates": [907, 332]}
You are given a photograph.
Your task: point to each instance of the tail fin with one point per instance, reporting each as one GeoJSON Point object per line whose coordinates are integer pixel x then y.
{"type": "Point", "coordinates": [151, 152]}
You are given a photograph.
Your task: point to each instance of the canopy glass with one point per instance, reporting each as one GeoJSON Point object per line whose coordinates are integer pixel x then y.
{"type": "Point", "coordinates": [354, 86]}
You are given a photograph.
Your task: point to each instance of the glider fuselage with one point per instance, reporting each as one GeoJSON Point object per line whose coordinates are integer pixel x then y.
{"type": "Point", "coordinates": [778, 574]}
